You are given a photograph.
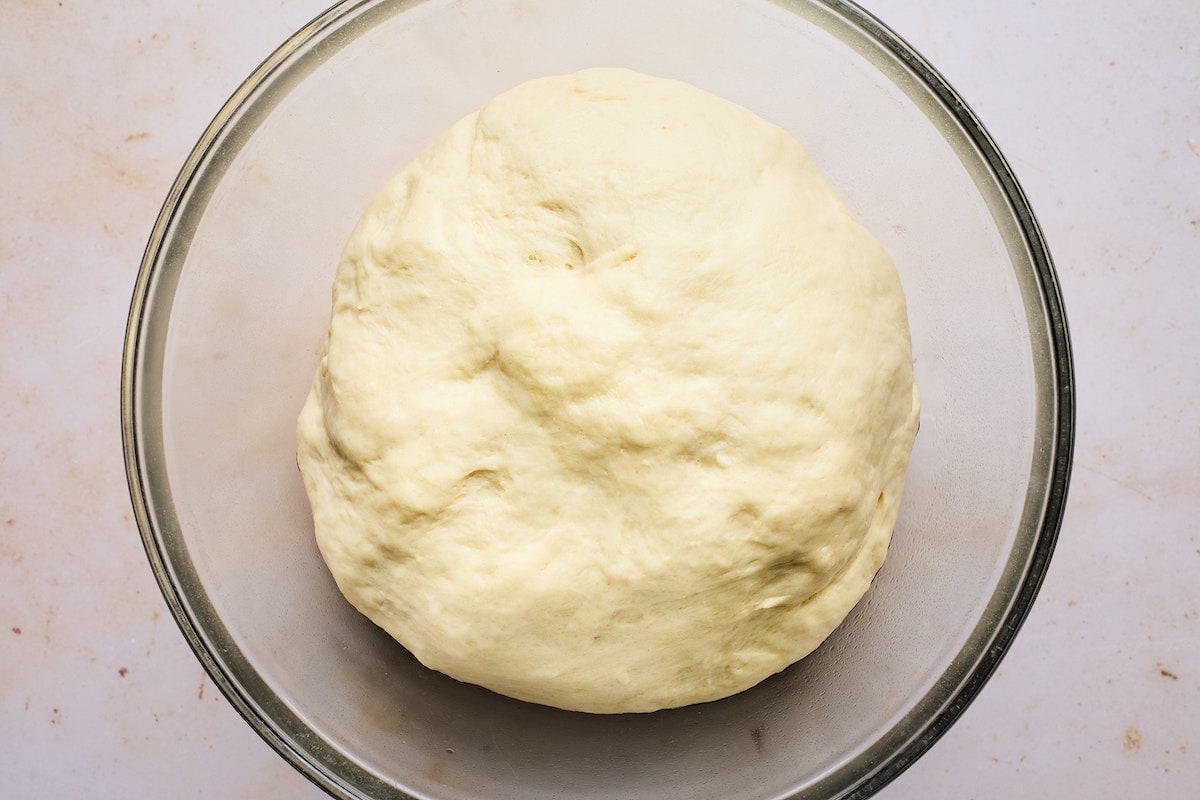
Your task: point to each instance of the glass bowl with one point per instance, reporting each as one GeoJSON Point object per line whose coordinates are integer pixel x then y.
{"type": "Point", "coordinates": [232, 303]}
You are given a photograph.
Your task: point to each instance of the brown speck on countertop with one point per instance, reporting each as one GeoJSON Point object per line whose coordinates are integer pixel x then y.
{"type": "Point", "coordinates": [1072, 603]}
{"type": "Point", "coordinates": [54, 720]}
{"type": "Point", "coordinates": [1133, 739]}
{"type": "Point", "coordinates": [1122, 483]}
{"type": "Point", "coordinates": [133, 137]}
{"type": "Point", "coordinates": [1166, 673]}
{"type": "Point", "coordinates": [123, 671]}
{"type": "Point", "coordinates": [757, 736]}
{"type": "Point", "coordinates": [50, 612]}
{"type": "Point", "coordinates": [16, 630]}
{"type": "Point", "coordinates": [200, 691]}
{"type": "Point", "coordinates": [1192, 146]}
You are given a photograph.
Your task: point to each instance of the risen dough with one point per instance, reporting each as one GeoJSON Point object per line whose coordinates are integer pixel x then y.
{"type": "Point", "coordinates": [616, 402]}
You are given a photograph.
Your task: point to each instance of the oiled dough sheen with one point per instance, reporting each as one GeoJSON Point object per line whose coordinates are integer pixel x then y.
{"type": "Point", "coordinates": [616, 402]}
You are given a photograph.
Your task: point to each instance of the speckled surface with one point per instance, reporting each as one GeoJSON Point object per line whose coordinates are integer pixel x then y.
{"type": "Point", "coordinates": [1097, 106]}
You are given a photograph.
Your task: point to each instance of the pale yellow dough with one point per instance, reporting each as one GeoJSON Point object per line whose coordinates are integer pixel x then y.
{"type": "Point", "coordinates": [616, 403]}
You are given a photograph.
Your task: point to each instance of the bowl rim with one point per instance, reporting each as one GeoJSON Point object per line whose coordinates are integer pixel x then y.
{"type": "Point", "coordinates": [302, 747]}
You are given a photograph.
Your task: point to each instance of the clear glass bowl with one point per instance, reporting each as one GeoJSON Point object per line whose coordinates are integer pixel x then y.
{"type": "Point", "coordinates": [233, 300]}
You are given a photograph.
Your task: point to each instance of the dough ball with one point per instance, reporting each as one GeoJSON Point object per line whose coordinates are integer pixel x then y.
{"type": "Point", "coordinates": [616, 401]}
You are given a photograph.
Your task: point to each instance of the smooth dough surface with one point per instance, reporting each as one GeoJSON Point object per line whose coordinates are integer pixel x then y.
{"type": "Point", "coordinates": [616, 402]}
